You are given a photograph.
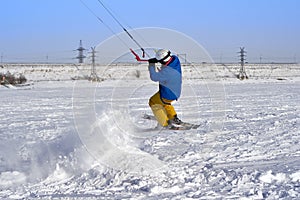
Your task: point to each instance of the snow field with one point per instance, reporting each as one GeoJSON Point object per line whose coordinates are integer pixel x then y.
{"type": "Point", "coordinates": [81, 140]}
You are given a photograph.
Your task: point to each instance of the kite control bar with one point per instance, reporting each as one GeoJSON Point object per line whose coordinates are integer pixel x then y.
{"type": "Point", "coordinates": [137, 57]}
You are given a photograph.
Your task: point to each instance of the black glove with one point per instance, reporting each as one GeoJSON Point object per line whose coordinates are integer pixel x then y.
{"type": "Point", "coordinates": [153, 60]}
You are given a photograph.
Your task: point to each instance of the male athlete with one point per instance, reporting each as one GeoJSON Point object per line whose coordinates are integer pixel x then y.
{"type": "Point", "coordinates": [170, 80]}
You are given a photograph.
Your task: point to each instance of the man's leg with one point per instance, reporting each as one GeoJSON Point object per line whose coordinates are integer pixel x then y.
{"type": "Point", "coordinates": [171, 113]}
{"type": "Point", "coordinates": [158, 109]}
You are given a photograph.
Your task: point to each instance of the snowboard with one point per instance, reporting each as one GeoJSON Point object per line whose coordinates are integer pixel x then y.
{"type": "Point", "coordinates": [183, 126]}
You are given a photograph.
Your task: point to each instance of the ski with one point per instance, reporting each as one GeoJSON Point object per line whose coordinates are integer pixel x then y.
{"type": "Point", "coordinates": [183, 126]}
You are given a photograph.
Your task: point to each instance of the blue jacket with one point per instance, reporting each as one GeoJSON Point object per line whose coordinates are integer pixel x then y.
{"type": "Point", "coordinates": [169, 78]}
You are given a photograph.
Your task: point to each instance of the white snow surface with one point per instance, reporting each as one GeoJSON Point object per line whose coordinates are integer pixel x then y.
{"type": "Point", "coordinates": [76, 140]}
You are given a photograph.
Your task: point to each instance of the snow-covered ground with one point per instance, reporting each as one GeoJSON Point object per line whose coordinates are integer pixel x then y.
{"type": "Point", "coordinates": [61, 72]}
{"type": "Point", "coordinates": [77, 139]}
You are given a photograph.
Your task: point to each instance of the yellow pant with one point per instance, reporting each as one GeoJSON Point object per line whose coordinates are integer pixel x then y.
{"type": "Point", "coordinates": [162, 110]}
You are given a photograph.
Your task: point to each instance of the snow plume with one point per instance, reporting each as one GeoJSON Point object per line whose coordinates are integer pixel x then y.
{"type": "Point", "coordinates": [23, 161]}
{"type": "Point", "coordinates": [10, 169]}
{"type": "Point", "coordinates": [106, 132]}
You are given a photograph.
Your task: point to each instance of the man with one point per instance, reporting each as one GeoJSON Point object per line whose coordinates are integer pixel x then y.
{"type": "Point", "coordinates": [169, 77]}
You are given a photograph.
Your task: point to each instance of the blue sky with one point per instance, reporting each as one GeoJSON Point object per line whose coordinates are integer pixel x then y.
{"type": "Point", "coordinates": [41, 31]}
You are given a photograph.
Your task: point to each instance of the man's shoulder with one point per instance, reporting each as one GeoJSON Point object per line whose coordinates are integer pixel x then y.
{"type": "Point", "coordinates": [175, 63]}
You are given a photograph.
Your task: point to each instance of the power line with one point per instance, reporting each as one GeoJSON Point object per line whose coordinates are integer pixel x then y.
{"type": "Point", "coordinates": [242, 75]}
{"type": "Point", "coordinates": [80, 50]}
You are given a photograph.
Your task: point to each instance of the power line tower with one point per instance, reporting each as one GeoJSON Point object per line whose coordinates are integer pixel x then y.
{"type": "Point", "coordinates": [80, 50]}
{"type": "Point", "coordinates": [242, 75]}
{"type": "Point", "coordinates": [93, 76]}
